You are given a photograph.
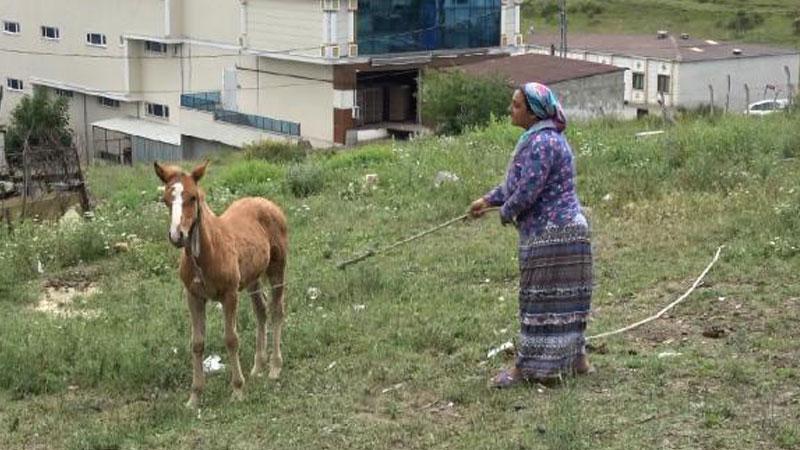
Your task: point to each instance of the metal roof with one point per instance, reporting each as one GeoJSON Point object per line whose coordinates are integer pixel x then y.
{"type": "Point", "coordinates": [154, 131]}
{"type": "Point", "coordinates": [670, 47]}
{"type": "Point", "coordinates": [540, 68]}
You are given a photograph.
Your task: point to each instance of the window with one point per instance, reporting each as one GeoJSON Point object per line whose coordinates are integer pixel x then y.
{"type": "Point", "coordinates": [96, 39]}
{"type": "Point", "coordinates": [155, 47]}
{"type": "Point", "coordinates": [50, 32]}
{"type": "Point", "coordinates": [14, 84]}
{"type": "Point", "coordinates": [638, 81]}
{"type": "Point", "coordinates": [395, 26]}
{"type": "Point", "coordinates": [154, 109]}
{"type": "Point", "coordinates": [64, 93]}
{"type": "Point", "coordinates": [109, 102]}
{"type": "Point", "coordinates": [663, 84]}
{"type": "Point", "coordinates": [11, 27]}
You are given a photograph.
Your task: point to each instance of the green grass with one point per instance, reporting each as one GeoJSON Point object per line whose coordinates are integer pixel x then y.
{"type": "Point", "coordinates": [409, 370]}
{"type": "Point", "coordinates": [706, 19]}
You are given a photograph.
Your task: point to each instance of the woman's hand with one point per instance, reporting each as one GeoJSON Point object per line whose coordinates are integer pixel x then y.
{"type": "Point", "coordinates": [478, 208]}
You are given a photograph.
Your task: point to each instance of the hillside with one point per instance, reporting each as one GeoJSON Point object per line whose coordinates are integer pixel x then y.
{"type": "Point", "coordinates": [391, 353]}
{"type": "Point", "coordinates": [764, 21]}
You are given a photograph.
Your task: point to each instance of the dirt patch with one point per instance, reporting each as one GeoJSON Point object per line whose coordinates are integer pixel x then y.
{"type": "Point", "coordinates": [59, 298]}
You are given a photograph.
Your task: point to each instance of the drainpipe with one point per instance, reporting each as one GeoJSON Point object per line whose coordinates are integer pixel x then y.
{"type": "Point", "coordinates": [243, 24]}
{"type": "Point", "coordinates": [86, 131]}
{"type": "Point", "coordinates": [167, 17]}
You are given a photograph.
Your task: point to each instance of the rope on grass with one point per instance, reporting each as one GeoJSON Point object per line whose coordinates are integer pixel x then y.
{"type": "Point", "coordinates": [670, 306]}
{"type": "Point", "coordinates": [371, 252]}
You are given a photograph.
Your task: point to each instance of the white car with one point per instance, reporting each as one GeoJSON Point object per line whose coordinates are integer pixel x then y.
{"type": "Point", "coordinates": [767, 106]}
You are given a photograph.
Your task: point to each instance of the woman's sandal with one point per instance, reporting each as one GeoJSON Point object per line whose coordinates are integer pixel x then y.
{"type": "Point", "coordinates": [582, 367]}
{"type": "Point", "coordinates": [506, 379]}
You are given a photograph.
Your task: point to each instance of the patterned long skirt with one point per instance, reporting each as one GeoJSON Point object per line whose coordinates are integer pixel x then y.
{"type": "Point", "coordinates": [555, 297]}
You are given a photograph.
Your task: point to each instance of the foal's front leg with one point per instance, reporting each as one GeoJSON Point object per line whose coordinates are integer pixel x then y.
{"type": "Point", "coordinates": [230, 306]}
{"type": "Point", "coordinates": [197, 311]}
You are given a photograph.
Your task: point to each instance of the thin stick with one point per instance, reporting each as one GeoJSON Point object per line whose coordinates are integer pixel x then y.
{"type": "Point", "coordinates": [370, 253]}
{"type": "Point", "coordinates": [670, 306]}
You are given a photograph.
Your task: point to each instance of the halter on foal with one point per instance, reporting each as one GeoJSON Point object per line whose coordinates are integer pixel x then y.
{"type": "Point", "coordinates": [221, 256]}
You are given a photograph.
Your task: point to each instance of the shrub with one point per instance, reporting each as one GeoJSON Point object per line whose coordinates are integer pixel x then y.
{"type": "Point", "coordinates": [246, 173]}
{"type": "Point", "coordinates": [274, 151]}
{"type": "Point", "coordinates": [305, 179]}
{"type": "Point", "coordinates": [455, 101]}
{"type": "Point", "coordinates": [360, 158]}
{"type": "Point", "coordinates": [547, 9]}
{"type": "Point", "coordinates": [744, 21]}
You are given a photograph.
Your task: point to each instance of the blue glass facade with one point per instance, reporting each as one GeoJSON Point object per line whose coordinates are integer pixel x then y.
{"type": "Point", "coordinates": [395, 26]}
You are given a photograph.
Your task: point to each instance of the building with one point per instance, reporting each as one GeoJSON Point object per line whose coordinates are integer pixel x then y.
{"type": "Point", "coordinates": [174, 79]}
{"type": "Point", "coordinates": [586, 89]}
{"type": "Point", "coordinates": [685, 70]}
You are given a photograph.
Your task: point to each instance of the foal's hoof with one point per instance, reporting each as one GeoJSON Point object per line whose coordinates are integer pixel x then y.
{"type": "Point", "coordinates": [193, 402]}
{"type": "Point", "coordinates": [274, 373]}
{"type": "Point", "coordinates": [237, 395]}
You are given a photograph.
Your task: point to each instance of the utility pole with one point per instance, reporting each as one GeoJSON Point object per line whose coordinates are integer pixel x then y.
{"type": "Point", "coordinates": [563, 28]}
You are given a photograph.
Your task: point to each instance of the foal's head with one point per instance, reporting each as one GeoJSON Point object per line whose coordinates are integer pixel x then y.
{"type": "Point", "coordinates": [182, 196]}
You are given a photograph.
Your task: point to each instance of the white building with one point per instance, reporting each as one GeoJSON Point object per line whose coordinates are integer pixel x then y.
{"type": "Point", "coordinates": [173, 79]}
{"type": "Point", "coordinates": [682, 68]}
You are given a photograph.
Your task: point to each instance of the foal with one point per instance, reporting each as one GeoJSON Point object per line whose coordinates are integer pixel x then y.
{"type": "Point", "coordinates": [221, 256]}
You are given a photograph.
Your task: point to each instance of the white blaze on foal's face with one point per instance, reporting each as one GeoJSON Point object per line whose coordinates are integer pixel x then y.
{"type": "Point", "coordinates": [177, 212]}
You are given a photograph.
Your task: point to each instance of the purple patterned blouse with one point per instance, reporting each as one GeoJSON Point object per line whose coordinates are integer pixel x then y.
{"type": "Point", "coordinates": [539, 189]}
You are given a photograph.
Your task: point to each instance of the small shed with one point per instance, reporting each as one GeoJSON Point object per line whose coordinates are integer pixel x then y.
{"type": "Point", "coordinates": [127, 140]}
{"type": "Point", "coordinates": [585, 89]}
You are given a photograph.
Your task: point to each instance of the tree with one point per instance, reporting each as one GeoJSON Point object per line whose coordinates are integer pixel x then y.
{"type": "Point", "coordinates": [39, 120]}
{"type": "Point", "coordinates": [453, 100]}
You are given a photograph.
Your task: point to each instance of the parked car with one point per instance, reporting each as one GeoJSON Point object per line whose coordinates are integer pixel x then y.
{"type": "Point", "coordinates": [767, 106]}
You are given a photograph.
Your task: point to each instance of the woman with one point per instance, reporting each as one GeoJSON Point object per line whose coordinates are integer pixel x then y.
{"type": "Point", "coordinates": [555, 254]}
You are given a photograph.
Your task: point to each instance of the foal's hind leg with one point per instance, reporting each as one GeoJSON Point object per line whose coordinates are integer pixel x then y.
{"type": "Point", "coordinates": [230, 305]}
{"type": "Point", "coordinates": [260, 310]}
{"type": "Point", "coordinates": [275, 273]}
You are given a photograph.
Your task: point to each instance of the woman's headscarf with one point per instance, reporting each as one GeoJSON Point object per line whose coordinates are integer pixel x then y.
{"type": "Point", "coordinates": [544, 104]}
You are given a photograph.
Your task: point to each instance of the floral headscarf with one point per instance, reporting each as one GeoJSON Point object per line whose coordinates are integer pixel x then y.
{"type": "Point", "coordinates": [544, 104]}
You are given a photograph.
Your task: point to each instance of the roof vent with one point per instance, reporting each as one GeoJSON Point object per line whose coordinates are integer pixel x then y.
{"type": "Point", "coordinates": [684, 36]}
{"type": "Point", "coordinates": [661, 34]}
{"type": "Point", "coordinates": [737, 51]}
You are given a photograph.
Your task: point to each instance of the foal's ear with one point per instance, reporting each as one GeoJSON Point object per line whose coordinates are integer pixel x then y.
{"type": "Point", "coordinates": [164, 173]}
{"type": "Point", "coordinates": [199, 171]}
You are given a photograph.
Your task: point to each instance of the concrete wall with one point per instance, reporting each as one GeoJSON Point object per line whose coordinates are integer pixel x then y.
{"type": "Point", "coordinates": [207, 20]}
{"type": "Point", "coordinates": [195, 148]}
{"type": "Point", "coordinates": [593, 96]}
{"type": "Point", "coordinates": [651, 68]}
{"type": "Point", "coordinates": [102, 68]}
{"type": "Point", "coordinates": [281, 25]}
{"type": "Point", "coordinates": [290, 90]}
{"type": "Point", "coordinates": [757, 72]}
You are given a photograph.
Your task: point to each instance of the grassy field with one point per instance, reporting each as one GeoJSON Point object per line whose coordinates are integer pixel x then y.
{"type": "Point", "coordinates": [766, 21]}
{"type": "Point", "coordinates": [392, 353]}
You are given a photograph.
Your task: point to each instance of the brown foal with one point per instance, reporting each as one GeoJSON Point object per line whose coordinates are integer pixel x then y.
{"type": "Point", "coordinates": [221, 256]}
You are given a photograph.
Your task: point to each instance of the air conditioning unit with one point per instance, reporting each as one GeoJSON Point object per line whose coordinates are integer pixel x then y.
{"type": "Point", "coordinates": [352, 5]}
{"type": "Point", "coordinates": [352, 50]}
{"type": "Point", "coordinates": [330, 51]}
{"type": "Point", "coordinates": [330, 5]}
